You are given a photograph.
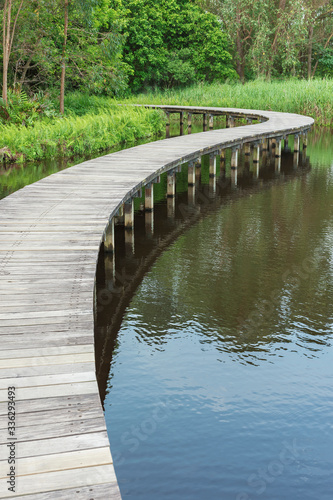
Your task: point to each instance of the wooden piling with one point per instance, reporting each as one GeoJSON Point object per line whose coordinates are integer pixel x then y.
{"type": "Point", "coordinates": [191, 173]}
{"type": "Point", "coordinates": [212, 165]}
{"type": "Point", "coordinates": [149, 197]}
{"type": "Point", "coordinates": [171, 184]}
{"type": "Point", "coordinates": [109, 237]}
{"type": "Point", "coordinates": [129, 213]}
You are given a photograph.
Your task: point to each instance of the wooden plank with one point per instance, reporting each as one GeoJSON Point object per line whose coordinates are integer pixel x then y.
{"type": "Point", "coordinates": [48, 482]}
{"type": "Point", "coordinates": [60, 461]}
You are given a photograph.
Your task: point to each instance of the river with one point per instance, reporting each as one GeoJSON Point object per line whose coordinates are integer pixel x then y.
{"type": "Point", "coordinates": [220, 381]}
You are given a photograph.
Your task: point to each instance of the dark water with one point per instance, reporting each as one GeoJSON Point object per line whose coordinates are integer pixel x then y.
{"type": "Point", "coordinates": [220, 384]}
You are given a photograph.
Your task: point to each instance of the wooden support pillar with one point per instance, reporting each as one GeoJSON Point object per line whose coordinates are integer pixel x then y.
{"type": "Point", "coordinates": [265, 144]}
{"type": "Point", "coordinates": [191, 173]}
{"type": "Point", "coordinates": [181, 122]}
{"type": "Point", "coordinates": [149, 197]}
{"type": "Point", "coordinates": [256, 153]}
{"type": "Point", "coordinates": [234, 158]}
{"type": "Point", "coordinates": [189, 123]}
{"type": "Point", "coordinates": [231, 121]}
{"type": "Point", "coordinates": [286, 140]}
{"type": "Point", "coordinates": [222, 156]}
{"type": "Point", "coordinates": [296, 143]}
{"type": "Point", "coordinates": [273, 144]}
{"type": "Point", "coordinates": [212, 165]}
{"type": "Point", "coordinates": [171, 184]}
{"type": "Point", "coordinates": [167, 113]}
{"type": "Point", "coordinates": [129, 214]}
{"type": "Point", "coordinates": [204, 116]}
{"type": "Point", "coordinates": [109, 237]}
{"type": "Point", "coordinates": [247, 149]}
{"type": "Point", "coordinates": [198, 170]}
{"type": "Point", "coordinates": [296, 159]}
{"type": "Point", "coordinates": [211, 122]}
{"type": "Point", "coordinates": [305, 140]}
{"type": "Point", "coordinates": [278, 148]}
{"type": "Point", "coordinates": [249, 120]}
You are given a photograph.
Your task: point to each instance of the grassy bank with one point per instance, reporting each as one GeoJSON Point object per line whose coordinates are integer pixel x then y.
{"type": "Point", "coordinates": [312, 98]}
{"type": "Point", "coordinates": [100, 125]}
{"type": "Point", "coordinates": [93, 124]}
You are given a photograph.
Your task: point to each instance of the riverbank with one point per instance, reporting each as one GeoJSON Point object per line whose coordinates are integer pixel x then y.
{"type": "Point", "coordinates": [100, 126]}
{"type": "Point", "coordinates": [93, 124]}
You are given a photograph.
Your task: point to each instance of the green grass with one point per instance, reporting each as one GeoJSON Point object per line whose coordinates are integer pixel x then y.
{"type": "Point", "coordinates": [313, 98]}
{"type": "Point", "coordinates": [93, 124]}
{"type": "Point", "coordinates": [92, 132]}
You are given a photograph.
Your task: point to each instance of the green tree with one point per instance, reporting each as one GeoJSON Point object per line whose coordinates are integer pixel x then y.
{"type": "Point", "coordinates": [173, 43]}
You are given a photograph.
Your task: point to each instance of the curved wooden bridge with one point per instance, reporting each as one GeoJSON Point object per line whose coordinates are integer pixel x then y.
{"type": "Point", "coordinates": [50, 235]}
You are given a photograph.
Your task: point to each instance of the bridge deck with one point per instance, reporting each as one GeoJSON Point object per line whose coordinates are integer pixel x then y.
{"type": "Point", "coordinates": [50, 234]}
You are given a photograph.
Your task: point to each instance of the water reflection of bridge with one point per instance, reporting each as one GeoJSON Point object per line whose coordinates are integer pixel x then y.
{"type": "Point", "coordinates": [50, 239]}
{"type": "Point", "coordinates": [119, 274]}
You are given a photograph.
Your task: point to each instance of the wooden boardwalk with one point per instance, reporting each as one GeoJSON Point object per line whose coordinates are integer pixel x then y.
{"type": "Point", "coordinates": [50, 234]}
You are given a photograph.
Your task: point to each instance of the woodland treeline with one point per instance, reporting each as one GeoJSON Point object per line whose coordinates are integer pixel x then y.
{"type": "Point", "coordinates": [114, 47]}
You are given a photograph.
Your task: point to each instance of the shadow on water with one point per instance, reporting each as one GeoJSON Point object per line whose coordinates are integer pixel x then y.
{"type": "Point", "coordinates": [117, 279]}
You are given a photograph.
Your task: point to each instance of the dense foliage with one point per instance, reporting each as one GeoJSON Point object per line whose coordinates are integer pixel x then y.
{"type": "Point", "coordinates": [174, 42]}
{"type": "Point", "coordinates": [271, 38]}
{"type": "Point", "coordinates": [117, 47]}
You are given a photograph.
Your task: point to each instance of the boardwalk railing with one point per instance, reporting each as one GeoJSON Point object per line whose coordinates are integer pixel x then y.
{"type": "Point", "coordinates": [50, 235]}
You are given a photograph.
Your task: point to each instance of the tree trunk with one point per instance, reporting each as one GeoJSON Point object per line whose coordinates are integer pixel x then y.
{"type": "Point", "coordinates": [5, 43]}
{"type": "Point", "coordinates": [63, 60]}
{"type": "Point", "coordinates": [310, 52]}
{"type": "Point", "coordinates": [325, 47]}
{"type": "Point", "coordinates": [239, 47]}
{"type": "Point", "coordinates": [25, 69]}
